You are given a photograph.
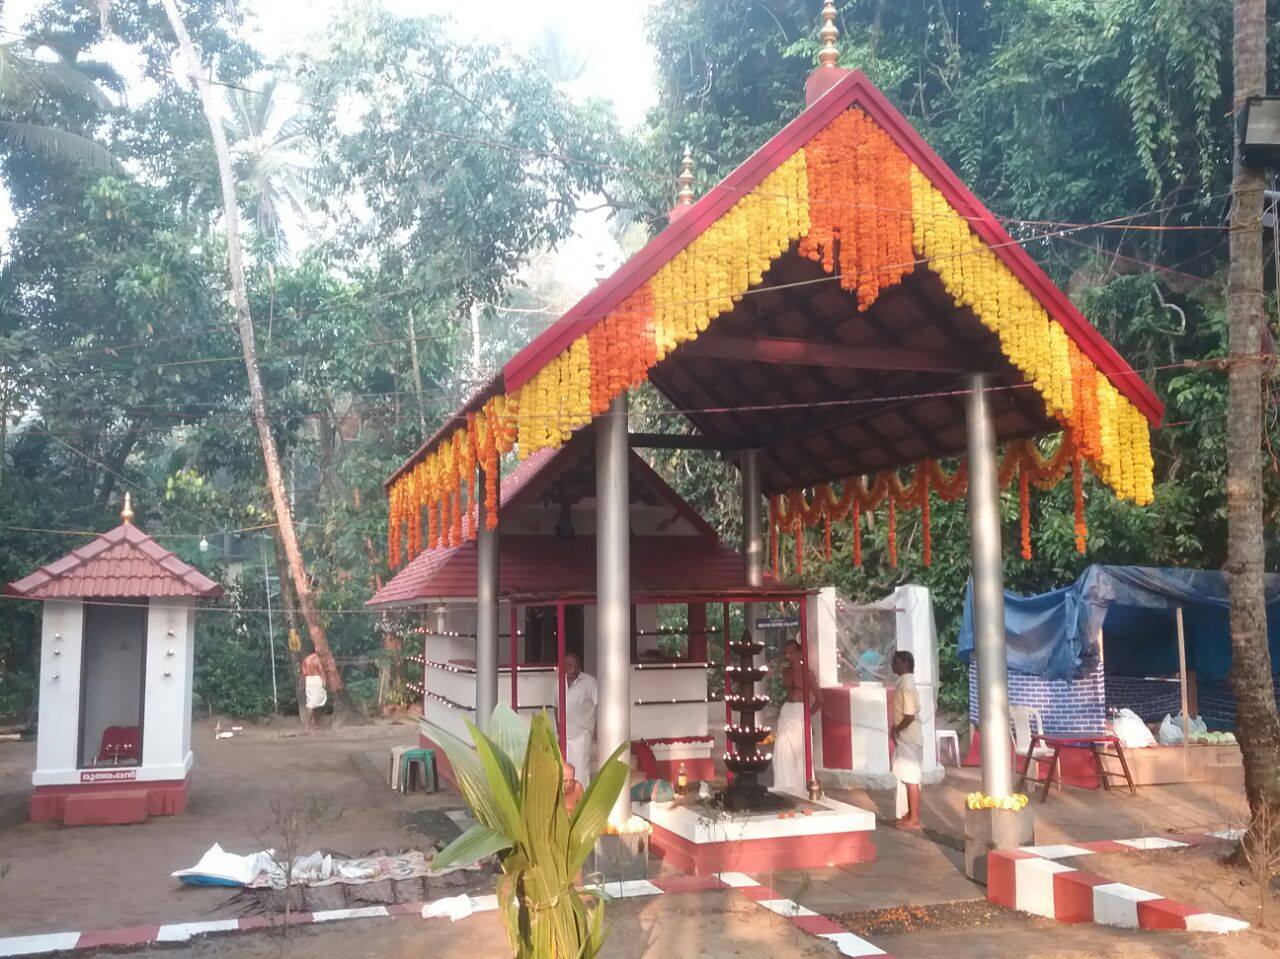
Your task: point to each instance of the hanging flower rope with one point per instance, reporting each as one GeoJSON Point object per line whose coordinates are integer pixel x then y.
{"type": "Point", "coordinates": [853, 202]}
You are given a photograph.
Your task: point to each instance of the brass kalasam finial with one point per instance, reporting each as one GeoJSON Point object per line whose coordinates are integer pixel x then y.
{"type": "Point", "coordinates": [829, 55]}
{"type": "Point", "coordinates": [685, 196]}
{"type": "Point", "coordinates": [126, 514]}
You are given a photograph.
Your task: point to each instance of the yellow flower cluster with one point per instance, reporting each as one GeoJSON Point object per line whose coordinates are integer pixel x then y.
{"type": "Point", "coordinates": [1008, 803]}
{"type": "Point", "coordinates": [1034, 343]}
{"type": "Point", "coordinates": [556, 401]}
{"type": "Point", "coordinates": [710, 275]}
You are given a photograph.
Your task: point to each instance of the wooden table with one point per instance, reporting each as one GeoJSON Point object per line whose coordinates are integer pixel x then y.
{"type": "Point", "coordinates": [1102, 745]}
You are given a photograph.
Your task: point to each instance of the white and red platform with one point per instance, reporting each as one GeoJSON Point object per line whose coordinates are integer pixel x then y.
{"type": "Point", "coordinates": [834, 834]}
{"type": "Point", "coordinates": [113, 799]}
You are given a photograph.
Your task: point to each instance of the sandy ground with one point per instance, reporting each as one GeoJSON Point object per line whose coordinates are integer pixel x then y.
{"type": "Point", "coordinates": [108, 877]}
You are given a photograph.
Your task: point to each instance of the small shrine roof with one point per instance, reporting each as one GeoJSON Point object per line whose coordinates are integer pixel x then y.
{"type": "Point", "coordinates": [123, 563]}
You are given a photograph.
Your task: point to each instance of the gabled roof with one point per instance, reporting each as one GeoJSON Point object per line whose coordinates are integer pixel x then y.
{"type": "Point", "coordinates": [544, 567]}
{"type": "Point", "coordinates": [124, 563]}
{"type": "Point", "coordinates": [853, 91]}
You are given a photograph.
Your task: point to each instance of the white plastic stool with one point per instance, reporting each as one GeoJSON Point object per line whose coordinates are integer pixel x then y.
{"type": "Point", "coordinates": [943, 737]}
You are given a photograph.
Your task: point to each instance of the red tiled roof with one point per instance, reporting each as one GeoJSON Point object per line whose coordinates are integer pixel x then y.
{"type": "Point", "coordinates": [546, 568]}
{"type": "Point", "coordinates": [122, 563]}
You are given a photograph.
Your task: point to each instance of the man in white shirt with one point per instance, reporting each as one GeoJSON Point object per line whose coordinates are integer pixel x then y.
{"type": "Point", "coordinates": [908, 738]}
{"type": "Point", "coordinates": [580, 700]}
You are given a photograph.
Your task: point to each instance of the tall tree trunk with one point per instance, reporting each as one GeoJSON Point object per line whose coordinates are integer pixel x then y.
{"type": "Point", "coordinates": [244, 322]}
{"type": "Point", "coordinates": [1257, 727]}
{"type": "Point", "coordinates": [290, 603]}
{"type": "Point", "coordinates": [417, 377]}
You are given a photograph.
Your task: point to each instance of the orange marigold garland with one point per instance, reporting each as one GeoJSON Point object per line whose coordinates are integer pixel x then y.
{"type": "Point", "coordinates": [826, 541]}
{"type": "Point", "coordinates": [926, 520]}
{"type": "Point", "coordinates": [1024, 511]}
{"type": "Point", "coordinates": [857, 534]}
{"type": "Point", "coordinates": [893, 533]}
{"type": "Point", "coordinates": [1077, 486]}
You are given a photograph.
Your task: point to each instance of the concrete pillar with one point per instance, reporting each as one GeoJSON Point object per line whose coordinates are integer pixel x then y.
{"type": "Point", "coordinates": [752, 524]}
{"type": "Point", "coordinates": [486, 612]}
{"type": "Point", "coordinates": [613, 589]}
{"type": "Point", "coordinates": [988, 592]}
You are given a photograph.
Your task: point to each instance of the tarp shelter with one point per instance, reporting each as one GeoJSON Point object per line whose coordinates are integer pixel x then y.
{"type": "Point", "coordinates": [1055, 634]}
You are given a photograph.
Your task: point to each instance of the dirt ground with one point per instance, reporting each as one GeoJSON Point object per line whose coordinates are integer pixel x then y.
{"type": "Point", "coordinates": [111, 876]}
{"type": "Point", "coordinates": [108, 877]}
{"type": "Point", "coordinates": [695, 926]}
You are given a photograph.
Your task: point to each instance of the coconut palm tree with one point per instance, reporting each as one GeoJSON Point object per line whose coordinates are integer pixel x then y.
{"type": "Point", "coordinates": [27, 81]}
{"type": "Point", "coordinates": [268, 148]}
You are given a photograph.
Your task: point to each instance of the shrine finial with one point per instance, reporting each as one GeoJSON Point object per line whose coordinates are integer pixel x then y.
{"type": "Point", "coordinates": [828, 72]}
{"type": "Point", "coordinates": [126, 514]}
{"type": "Point", "coordinates": [684, 198]}
{"type": "Point", "coordinates": [829, 55]}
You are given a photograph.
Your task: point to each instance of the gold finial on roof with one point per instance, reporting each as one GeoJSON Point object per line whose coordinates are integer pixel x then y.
{"type": "Point", "coordinates": [685, 196]}
{"type": "Point", "coordinates": [829, 55]}
{"type": "Point", "coordinates": [126, 514]}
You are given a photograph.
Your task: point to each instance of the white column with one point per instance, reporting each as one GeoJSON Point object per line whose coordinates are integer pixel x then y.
{"type": "Point", "coordinates": [486, 612]}
{"type": "Point", "coordinates": [988, 592]}
{"type": "Point", "coordinates": [613, 590]}
{"type": "Point", "coordinates": [752, 534]}
{"type": "Point", "coordinates": [58, 736]}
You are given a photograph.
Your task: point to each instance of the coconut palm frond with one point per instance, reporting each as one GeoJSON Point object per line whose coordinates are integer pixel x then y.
{"type": "Point", "coordinates": [54, 144]}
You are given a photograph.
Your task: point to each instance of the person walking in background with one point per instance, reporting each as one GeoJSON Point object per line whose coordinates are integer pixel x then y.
{"type": "Point", "coordinates": [908, 740]}
{"type": "Point", "coordinates": [314, 689]}
{"type": "Point", "coordinates": [788, 750]}
{"type": "Point", "coordinates": [580, 699]}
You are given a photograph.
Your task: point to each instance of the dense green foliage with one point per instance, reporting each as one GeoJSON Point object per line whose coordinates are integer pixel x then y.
{"type": "Point", "coordinates": [396, 185]}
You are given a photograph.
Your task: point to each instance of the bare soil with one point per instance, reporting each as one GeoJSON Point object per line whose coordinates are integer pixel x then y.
{"type": "Point", "coordinates": [88, 877]}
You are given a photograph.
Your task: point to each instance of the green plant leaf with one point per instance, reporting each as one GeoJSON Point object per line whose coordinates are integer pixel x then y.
{"type": "Point", "coordinates": [592, 813]}
{"type": "Point", "coordinates": [509, 732]}
{"type": "Point", "coordinates": [504, 784]}
{"type": "Point", "coordinates": [472, 846]}
{"type": "Point", "coordinates": [471, 777]}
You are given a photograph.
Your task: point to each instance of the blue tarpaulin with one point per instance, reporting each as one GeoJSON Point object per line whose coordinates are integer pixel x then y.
{"type": "Point", "coordinates": [1054, 634]}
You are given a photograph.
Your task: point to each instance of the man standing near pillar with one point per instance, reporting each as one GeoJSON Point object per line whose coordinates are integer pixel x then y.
{"type": "Point", "coordinates": [788, 751]}
{"type": "Point", "coordinates": [580, 700]}
{"type": "Point", "coordinates": [908, 740]}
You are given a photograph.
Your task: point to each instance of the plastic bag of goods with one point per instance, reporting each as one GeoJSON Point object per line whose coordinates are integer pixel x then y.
{"type": "Point", "coordinates": [1170, 732]}
{"type": "Point", "coordinates": [1131, 730]}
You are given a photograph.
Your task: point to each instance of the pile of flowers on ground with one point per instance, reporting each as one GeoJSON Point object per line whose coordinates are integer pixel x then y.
{"type": "Point", "coordinates": [1011, 803]}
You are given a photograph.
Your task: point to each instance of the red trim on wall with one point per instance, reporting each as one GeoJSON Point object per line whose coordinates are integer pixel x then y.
{"type": "Point", "coordinates": [108, 804]}
{"type": "Point", "coordinates": [837, 736]}
{"type": "Point", "coordinates": [763, 855]}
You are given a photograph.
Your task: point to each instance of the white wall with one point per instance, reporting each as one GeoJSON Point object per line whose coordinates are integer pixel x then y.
{"type": "Point", "coordinates": [166, 744]}
{"type": "Point", "coordinates": [60, 649]}
{"type": "Point", "coordinates": [114, 637]}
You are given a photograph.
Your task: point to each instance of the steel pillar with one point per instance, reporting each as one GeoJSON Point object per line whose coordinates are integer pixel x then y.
{"type": "Point", "coordinates": [613, 590]}
{"type": "Point", "coordinates": [752, 531]}
{"type": "Point", "coordinates": [988, 592]}
{"type": "Point", "coordinates": [486, 612]}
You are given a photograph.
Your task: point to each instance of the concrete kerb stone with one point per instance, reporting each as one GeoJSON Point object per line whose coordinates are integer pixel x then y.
{"type": "Point", "coordinates": [1034, 880]}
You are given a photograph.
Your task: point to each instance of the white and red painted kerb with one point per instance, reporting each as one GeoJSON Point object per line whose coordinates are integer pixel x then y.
{"type": "Point", "coordinates": [146, 935]}
{"type": "Point", "coordinates": [1034, 880]}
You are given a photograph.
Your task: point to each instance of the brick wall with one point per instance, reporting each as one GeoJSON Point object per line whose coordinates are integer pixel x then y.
{"type": "Point", "coordinates": [1151, 699]}
{"type": "Point", "coordinates": [1066, 706]}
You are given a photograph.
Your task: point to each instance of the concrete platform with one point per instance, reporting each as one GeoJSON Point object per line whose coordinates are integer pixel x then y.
{"type": "Point", "coordinates": [700, 842]}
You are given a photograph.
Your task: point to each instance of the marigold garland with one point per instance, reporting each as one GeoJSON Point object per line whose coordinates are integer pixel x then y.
{"type": "Point", "coordinates": [853, 202]}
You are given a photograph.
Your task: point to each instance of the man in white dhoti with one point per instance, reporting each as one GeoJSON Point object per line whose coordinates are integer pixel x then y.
{"type": "Point", "coordinates": [788, 747]}
{"type": "Point", "coordinates": [314, 689]}
{"type": "Point", "coordinates": [580, 700]}
{"type": "Point", "coordinates": [908, 739]}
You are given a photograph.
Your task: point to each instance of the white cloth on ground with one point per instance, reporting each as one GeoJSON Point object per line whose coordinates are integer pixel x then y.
{"type": "Point", "coordinates": [317, 695]}
{"type": "Point", "coordinates": [788, 749]}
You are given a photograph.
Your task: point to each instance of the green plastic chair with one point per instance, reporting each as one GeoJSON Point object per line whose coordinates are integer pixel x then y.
{"type": "Point", "coordinates": [422, 761]}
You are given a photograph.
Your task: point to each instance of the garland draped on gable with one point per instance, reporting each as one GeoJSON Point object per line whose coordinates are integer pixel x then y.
{"type": "Point", "coordinates": [853, 202]}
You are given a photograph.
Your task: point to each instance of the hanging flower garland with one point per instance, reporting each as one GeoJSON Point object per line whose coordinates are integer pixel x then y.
{"type": "Point", "coordinates": [853, 202]}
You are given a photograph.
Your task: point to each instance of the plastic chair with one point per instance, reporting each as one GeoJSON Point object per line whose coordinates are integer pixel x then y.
{"type": "Point", "coordinates": [947, 737]}
{"type": "Point", "coordinates": [422, 761]}
{"type": "Point", "coordinates": [1022, 717]}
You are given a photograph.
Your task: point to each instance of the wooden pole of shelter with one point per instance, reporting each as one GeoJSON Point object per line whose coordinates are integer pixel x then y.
{"type": "Point", "coordinates": [1182, 685]}
{"type": "Point", "coordinates": [560, 681]}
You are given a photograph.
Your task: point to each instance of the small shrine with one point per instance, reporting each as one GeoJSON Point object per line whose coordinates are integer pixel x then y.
{"type": "Point", "coordinates": [116, 658]}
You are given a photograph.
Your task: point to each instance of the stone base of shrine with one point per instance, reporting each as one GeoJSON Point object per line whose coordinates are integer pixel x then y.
{"type": "Point", "coordinates": [108, 803]}
{"type": "Point", "coordinates": [700, 842]}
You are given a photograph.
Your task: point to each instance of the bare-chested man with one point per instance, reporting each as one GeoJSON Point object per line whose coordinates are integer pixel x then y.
{"type": "Point", "coordinates": [788, 751]}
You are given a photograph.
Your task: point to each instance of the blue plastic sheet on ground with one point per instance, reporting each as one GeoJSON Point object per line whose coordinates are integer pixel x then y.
{"type": "Point", "coordinates": [1054, 634]}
